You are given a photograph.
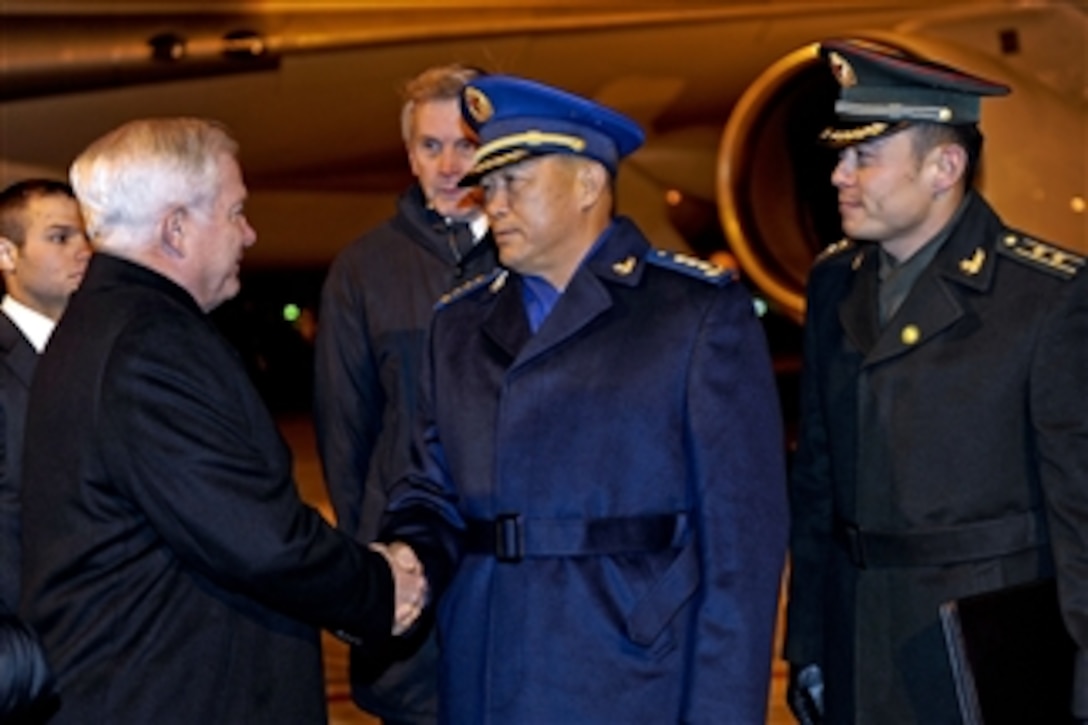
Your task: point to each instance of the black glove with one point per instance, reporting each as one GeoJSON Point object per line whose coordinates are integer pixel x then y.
{"type": "Point", "coordinates": [805, 694]}
{"type": "Point", "coordinates": [370, 663]}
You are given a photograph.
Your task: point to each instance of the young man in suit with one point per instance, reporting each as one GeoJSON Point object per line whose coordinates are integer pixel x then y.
{"type": "Point", "coordinates": [43, 255]}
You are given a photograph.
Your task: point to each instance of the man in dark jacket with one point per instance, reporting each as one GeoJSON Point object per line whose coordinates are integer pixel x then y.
{"type": "Point", "coordinates": [943, 447]}
{"type": "Point", "coordinates": [598, 480]}
{"type": "Point", "coordinates": [375, 308]}
{"type": "Point", "coordinates": [170, 567]}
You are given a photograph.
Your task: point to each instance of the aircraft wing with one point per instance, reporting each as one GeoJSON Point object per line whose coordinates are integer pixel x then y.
{"type": "Point", "coordinates": [310, 89]}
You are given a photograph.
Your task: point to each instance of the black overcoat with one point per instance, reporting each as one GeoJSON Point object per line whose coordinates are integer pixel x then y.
{"type": "Point", "coordinates": [943, 455]}
{"type": "Point", "coordinates": [170, 566]}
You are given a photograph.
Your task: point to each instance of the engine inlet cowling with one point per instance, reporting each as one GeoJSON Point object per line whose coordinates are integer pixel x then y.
{"type": "Point", "coordinates": [775, 198]}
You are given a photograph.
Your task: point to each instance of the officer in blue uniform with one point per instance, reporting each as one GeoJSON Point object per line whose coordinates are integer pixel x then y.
{"type": "Point", "coordinates": [943, 447]}
{"type": "Point", "coordinates": [598, 486]}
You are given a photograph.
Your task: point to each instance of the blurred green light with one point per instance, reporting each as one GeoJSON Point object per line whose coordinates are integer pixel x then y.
{"type": "Point", "coordinates": [291, 312]}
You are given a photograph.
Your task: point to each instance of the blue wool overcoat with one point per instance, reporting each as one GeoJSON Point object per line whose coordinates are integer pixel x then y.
{"type": "Point", "coordinates": [646, 395]}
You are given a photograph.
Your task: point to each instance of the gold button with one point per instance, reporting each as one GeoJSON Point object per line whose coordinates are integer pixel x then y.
{"type": "Point", "coordinates": [910, 334]}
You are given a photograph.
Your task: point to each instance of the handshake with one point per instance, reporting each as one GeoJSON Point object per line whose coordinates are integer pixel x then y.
{"type": "Point", "coordinates": [409, 584]}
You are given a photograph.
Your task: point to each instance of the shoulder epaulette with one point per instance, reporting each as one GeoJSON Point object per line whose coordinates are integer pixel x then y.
{"type": "Point", "coordinates": [691, 266]}
{"type": "Point", "coordinates": [1041, 255]}
{"type": "Point", "coordinates": [496, 278]}
{"type": "Point", "coordinates": [834, 250]}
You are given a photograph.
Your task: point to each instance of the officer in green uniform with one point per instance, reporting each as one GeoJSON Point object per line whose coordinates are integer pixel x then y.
{"type": "Point", "coordinates": [943, 448]}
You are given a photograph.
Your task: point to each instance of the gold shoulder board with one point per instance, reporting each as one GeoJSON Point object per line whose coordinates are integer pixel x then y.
{"type": "Point", "coordinates": [1041, 255]}
{"type": "Point", "coordinates": [691, 266]}
{"type": "Point", "coordinates": [832, 250]}
{"type": "Point", "coordinates": [464, 289]}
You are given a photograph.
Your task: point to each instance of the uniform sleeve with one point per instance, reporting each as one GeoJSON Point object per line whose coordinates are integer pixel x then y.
{"type": "Point", "coordinates": [1059, 416]}
{"type": "Point", "coordinates": [188, 440]}
{"type": "Point", "coordinates": [348, 396]}
{"type": "Point", "coordinates": [810, 494]}
{"type": "Point", "coordinates": [422, 509]}
{"type": "Point", "coordinates": [737, 446]}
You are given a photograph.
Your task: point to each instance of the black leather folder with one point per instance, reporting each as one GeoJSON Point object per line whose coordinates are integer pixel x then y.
{"type": "Point", "coordinates": [1012, 657]}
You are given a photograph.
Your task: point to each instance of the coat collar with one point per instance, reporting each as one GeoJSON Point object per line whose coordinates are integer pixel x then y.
{"type": "Point", "coordinates": [618, 259]}
{"type": "Point", "coordinates": [965, 262]}
{"type": "Point", "coordinates": [105, 271]}
{"type": "Point", "coordinates": [858, 309]}
{"type": "Point", "coordinates": [450, 241]}
{"type": "Point", "coordinates": [506, 323]}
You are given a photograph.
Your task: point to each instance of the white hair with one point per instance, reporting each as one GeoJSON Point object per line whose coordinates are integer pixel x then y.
{"type": "Point", "coordinates": [129, 179]}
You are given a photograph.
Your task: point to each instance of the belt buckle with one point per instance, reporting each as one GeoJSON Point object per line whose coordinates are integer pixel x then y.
{"type": "Point", "coordinates": [509, 538]}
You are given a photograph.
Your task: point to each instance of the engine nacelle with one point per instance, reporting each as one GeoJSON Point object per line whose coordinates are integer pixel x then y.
{"type": "Point", "coordinates": [775, 199]}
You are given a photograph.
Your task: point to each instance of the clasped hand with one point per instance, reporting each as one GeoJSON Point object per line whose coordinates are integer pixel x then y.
{"type": "Point", "coordinates": [409, 584]}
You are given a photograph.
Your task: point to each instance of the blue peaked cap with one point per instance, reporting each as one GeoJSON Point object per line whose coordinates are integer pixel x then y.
{"type": "Point", "coordinates": [516, 119]}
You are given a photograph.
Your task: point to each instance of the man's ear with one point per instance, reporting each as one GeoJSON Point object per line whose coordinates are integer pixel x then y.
{"type": "Point", "coordinates": [949, 165]}
{"type": "Point", "coordinates": [8, 254]}
{"type": "Point", "coordinates": [172, 232]}
{"type": "Point", "coordinates": [592, 182]}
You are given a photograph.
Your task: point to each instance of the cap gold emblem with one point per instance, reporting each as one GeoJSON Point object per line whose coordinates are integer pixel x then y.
{"type": "Point", "coordinates": [842, 70]}
{"type": "Point", "coordinates": [478, 105]}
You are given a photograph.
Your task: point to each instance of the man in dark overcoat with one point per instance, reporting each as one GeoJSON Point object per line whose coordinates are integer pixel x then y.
{"type": "Point", "coordinates": [598, 481]}
{"type": "Point", "coordinates": [943, 445]}
{"type": "Point", "coordinates": [170, 567]}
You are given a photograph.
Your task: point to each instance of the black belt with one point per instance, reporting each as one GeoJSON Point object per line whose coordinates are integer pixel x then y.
{"type": "Point", "coordinates": [513, 537]}
{"type": "Point", "coordinates": [935, 547]}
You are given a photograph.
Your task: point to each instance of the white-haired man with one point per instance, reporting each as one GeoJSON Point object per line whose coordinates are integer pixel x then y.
{"type": "Point", "coordinates": [166, 549]}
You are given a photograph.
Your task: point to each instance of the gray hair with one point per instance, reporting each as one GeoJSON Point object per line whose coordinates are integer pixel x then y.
{"type": "Point", "coordinates": [127, 180]}
{"type": "Point", "coordinates": [439, 83]}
